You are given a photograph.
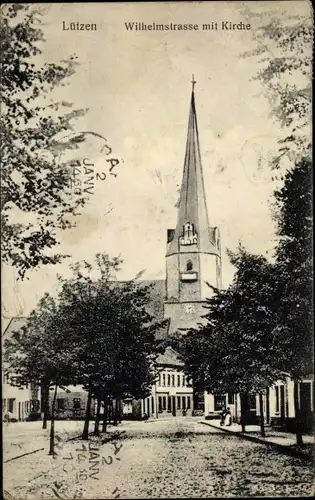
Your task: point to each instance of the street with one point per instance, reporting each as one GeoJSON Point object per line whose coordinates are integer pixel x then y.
{"type": "Point", "coordinates": [168, 458]}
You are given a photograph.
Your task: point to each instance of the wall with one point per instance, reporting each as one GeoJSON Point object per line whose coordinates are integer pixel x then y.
{"type": "Point", "coordinates": [184, 315]}
{"type": "Point", "coordinates": [17, 400]}
{"type": "Point", "coordinates": [166, 387]}
{"type": "Point", "coordinates": [66, 404]}
{"type": "Point", "coordinates": [189, 290]}
{"type": "Point", "coordinates": [281, 403]}
{"type": "Point", "coordinates": [172, 276]}
{"type": "Point", "coordinates": [208, 273]}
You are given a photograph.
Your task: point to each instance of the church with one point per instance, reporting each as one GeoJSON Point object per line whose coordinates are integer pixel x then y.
{"type": "Point", "coordinates": [193, 260]}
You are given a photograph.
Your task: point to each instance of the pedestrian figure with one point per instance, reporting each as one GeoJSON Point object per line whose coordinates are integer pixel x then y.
{"type": "Point", "coordinates": [223, 413]}
{"type": "Point", "coordinates": [7, 417]}
{"type": "Point", "coordinates": [228, 417]}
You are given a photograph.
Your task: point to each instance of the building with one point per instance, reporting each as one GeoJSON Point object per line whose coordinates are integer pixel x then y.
{"type": "Point", "coordinates": [278, 404]}
{"type": "Point", "coordinates": [193, 261]}
{"type": "Point", "coordinates": [172, 394]}
{"type": "Point", "coordinates": [193, 249]}
{"type": "Point", "coordinates": [21, 402]}
{"type": "Point", "coordinates": [71, 402]}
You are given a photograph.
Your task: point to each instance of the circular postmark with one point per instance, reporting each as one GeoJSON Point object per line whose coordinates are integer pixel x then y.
{"type": "Point", "coordinates": [89, 158]}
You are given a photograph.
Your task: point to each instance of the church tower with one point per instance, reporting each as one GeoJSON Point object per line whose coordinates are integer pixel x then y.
{"type": "Point", "coordinates": [193, 255]}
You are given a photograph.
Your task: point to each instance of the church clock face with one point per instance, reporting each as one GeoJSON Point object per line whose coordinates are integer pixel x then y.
{"type": "Point", "coordinates": [189, 309]}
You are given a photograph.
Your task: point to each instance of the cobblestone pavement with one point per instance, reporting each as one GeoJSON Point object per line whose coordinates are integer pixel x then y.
{"type": "Point", "coordinates": [175, 458]}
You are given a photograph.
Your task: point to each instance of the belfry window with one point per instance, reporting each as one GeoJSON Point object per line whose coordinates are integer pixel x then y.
{"type": "Point", "coordinates": [189, 266]}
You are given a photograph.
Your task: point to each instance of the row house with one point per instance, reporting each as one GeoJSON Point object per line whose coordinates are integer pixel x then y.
{"type": "Point", "coordinates": [171, 394]}
{"type": "Point", "coordinates": [19, 402]}
{"type": "Point", "coordinates": [278, 405]}
{"type": "Point", "coordinates": [279, 410]}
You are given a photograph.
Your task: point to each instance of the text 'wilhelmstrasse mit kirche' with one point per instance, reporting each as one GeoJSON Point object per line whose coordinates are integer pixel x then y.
{"type": "Point", "coordinates": [212, 26]}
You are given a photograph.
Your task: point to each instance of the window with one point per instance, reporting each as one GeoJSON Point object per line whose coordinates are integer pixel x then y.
{"type": "Point", "coordinates": [184, 381]}
{"type": "Point", "coordinates": [168, 380]}
{"type": "Point", "coordinates": [164, 402]}
{"type": "Point", "coordinates": [178, 402]}
{"type": "Point", "coordinates": [178, 380]}
{"type": "Point", "coordinates": [219, 402]}
{"type": "Point", "coordinates": [277, 397]}
{"type": "Point", "coordinates": [160, 404]}
{"type": "Point", "coordinates": [164, 379]}
{"type": "Point", "coordinates": [11, 404]}
{"type": "Point", "coordinates": [173, 380]}
{"type": "Point", "coordinates": [148, 406]}
{"type": "Point", "coordinates": [188, 403]}
{"type": "Point", "coordinates": [61, 404]}
{"type": "Point", "coordinates": [152, 404]}
{"type": "Point", "coordinates": [76, 403]}
{"type": "Point", "coordinates": [169, 404]}
{"type": "Point", "coordinates": [189, 266]}
{"type": "Point", "coordinates": [184, 402]}
{"type": "Point", "coordinates": [252, 401]}
{"type": "Point", "coordinates": [160, 381]}
{"type": "Point", "coordinates": [230, 398]}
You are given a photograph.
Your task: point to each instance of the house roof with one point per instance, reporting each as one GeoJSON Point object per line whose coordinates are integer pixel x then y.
{"type": "Point", "coordinates": [170, 358]}
{"type": "Point", "coordinates": [155, 304]}
{"type": "Point", "coordinates": [155, 307]}
{"type": "Point", "coordinates": [14, 325]}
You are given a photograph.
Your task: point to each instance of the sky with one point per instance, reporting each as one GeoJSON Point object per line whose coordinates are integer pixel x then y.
{"type": "Point", "coordinates": [136, 86]}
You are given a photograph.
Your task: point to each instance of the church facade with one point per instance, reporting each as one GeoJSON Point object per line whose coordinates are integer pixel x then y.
{"type": "Point", "coordinates": [193, 262]}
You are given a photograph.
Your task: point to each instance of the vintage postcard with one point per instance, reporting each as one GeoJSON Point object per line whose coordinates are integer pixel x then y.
{"type": "Point", "coordinates": [156, 250]}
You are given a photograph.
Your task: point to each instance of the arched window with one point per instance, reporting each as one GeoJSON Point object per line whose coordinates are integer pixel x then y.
{"type": "Point", "coordinates": [189, 266]}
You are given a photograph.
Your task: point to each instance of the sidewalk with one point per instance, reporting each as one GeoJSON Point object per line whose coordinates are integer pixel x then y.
{"type": "Point", "coordinates": [283, 441]}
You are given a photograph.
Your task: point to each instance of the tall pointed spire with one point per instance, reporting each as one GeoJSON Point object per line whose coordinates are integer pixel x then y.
{"type": "Point", "coordinates": [192, 222]}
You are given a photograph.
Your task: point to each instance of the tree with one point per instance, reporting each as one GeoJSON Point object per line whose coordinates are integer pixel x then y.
{"type": "Point", "coordinates": [284, 52]}
{"type": "Point", "coordinates": [40, 352]}
{"type": "Point", "coordinates": [294, 272]}
{"type": "Point", "coordinates": [36, 195]}
{"type": "Point", "coordinates": [108, 320]}
{"type": "Point", "coordinates": [236, 350]}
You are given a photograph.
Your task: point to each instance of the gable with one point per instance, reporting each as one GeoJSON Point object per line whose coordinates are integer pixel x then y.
{"type": "Point", "coordinates": [170, 358]}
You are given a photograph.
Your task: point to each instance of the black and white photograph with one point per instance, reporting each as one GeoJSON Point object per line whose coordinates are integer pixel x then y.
{"type": "Point", "coordinates": [156, 250]}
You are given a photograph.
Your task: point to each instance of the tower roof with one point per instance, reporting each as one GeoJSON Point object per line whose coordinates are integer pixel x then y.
{"type": "Point", "coordinates": [192, 204]}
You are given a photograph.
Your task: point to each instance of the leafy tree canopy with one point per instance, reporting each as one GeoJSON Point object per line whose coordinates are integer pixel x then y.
{"type": "Point", "coordinates": [36, 198]}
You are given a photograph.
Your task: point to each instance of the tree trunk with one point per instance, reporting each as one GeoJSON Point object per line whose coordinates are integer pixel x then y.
{"type": "Point", "coordinates": [85, 434]}
{"type": "Point", "coordinates": [116, 413]}
{"type": "Point", "coordinates": [119, 411]}
{"type": "Point", "coordinates": [45, 403]}
{"type": "Point", "coordinates": [105, 415]}
{"type": "Point", "coordinates": [244, 410]}
{"type": "Point", "coordinates": [298, 422]}
{"type": "Point", "coordinates": [97, 417]}
{"type": "Point", "coordinates": [262, 417]}
{"type": "Point", "coordinates": [111, 412]}
{"type": "Point", "coordinates": [52, 425]}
